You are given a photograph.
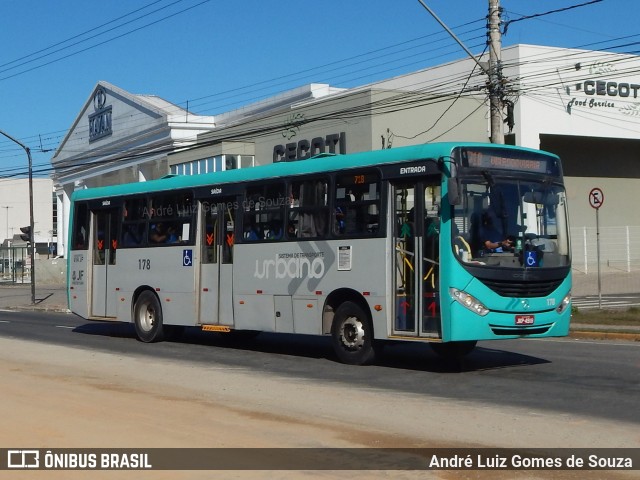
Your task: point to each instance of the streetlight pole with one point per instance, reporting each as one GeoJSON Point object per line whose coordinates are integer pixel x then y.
{"type": "Point", "coordinates": [7, 208]}
{"type": "Point", "coordinates": [32, 243]}
{"type": "Point", "coordinates": [4, 262]}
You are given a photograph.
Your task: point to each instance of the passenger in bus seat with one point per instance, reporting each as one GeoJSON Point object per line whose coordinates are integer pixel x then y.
{"type": "Point", "coordinates": [339, 220]}
{"type": "Point", "coordinates": [253, 233]}
{"type": "Point", "coordinates": [158, 233]}
{"type": "Point", "coordinates": [172, 236]}
{"type": "Point", "coordinates": [130, 238]}
{"type": "Point", "coordinates": [275, 231]}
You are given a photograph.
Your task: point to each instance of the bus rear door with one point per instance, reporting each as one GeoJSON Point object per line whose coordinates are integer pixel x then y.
{"type": "Point", "coordinates": [105, 246]}
{"type": "Point", "coordinates": [216, 267]}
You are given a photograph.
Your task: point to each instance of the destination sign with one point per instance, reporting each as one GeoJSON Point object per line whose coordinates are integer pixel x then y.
{"type": "Point", "coordinates": [491, 159]}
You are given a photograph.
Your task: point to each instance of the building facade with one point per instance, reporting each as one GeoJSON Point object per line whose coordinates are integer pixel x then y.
{"type": "Point", "coordinates": [119, 137]}
{"type": "Point", "coordinates": [582, 105]}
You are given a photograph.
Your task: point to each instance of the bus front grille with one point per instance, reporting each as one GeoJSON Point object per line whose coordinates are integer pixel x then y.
{"type": "Point", "coordinates": [528, 289]}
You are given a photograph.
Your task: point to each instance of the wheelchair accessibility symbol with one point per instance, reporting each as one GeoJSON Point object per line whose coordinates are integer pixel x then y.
{"type": "Point", "coordinates": [531, 259]}
{"type": "Point", "coordinates": [187, 258]}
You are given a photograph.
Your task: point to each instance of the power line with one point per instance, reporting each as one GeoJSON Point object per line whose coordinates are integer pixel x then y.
{"type": "Point", "coordinates": [433, 125]}
{"type": "Point", "coordinates": [523, 61]}
{"type": "Point", "coordinates": [92, 31]}
{"type": "Point", "coordinates": [537, 15]}
{"type": "Point", "coordinates": [350, 65]}
{"type": "Point", "coordinates": [99, 43]}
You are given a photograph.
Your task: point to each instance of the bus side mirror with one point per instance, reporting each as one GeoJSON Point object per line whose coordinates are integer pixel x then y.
{"type": "Point", "coordinates": [453, 186]}
{"type": "Point", "coordinates": [453, 191]}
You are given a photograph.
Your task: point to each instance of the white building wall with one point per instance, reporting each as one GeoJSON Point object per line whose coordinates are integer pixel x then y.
{"type": "Point", "coordinates": [14, 207]}
{"type": "Point", "coordinates": [573, 92]}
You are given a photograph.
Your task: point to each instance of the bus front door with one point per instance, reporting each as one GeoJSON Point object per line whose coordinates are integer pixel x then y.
{"type": "Point", "coordinates": [416, 260]}
{"type": "Point", "coordinates": [216, 268]}
{"type": "Point", "coordinates": [105, 247]}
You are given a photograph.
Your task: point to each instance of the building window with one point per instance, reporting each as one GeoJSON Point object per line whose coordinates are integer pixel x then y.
{"type": "Point", "coordinates": [54, 231]}
{"type": "Point", "coordinates": [246, 161]}
{"type": "Point", "coordinates": [219, 163]}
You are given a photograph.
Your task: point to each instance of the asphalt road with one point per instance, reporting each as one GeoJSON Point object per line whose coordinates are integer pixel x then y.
{"type": "Point", "coordinates": [591, 378]}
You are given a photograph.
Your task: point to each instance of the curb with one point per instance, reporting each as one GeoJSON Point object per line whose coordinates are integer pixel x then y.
{"type": "Point", "coordinates": [600, 335]}
{"type": "Point", "coordinates": [37, 308]}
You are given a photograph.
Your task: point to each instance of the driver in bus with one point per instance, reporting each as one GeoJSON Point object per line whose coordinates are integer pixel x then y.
{"type": "Point", "coordinates": [492, 239]}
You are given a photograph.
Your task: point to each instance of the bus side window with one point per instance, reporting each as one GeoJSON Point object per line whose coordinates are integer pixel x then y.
{"type": "Point", "coordinates": [357, 204]}
{"type": "Point", "coordinates": [80, 227]}
{"type": "Point", "coordinates": [133, 223]}
{"type": "Point", "coordinates": [263, 218]}
{"type": "Point", "coordinates": [132, 235]}
{"type": "Point", "coordinates": [308, 209]}
{"type": "Point", "coordinates": [171, 219]}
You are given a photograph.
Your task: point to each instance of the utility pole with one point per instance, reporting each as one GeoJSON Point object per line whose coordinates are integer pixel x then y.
{"type": "Point", "coordinates": [495, 72]}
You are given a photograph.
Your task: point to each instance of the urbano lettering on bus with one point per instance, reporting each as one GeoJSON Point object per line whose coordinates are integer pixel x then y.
{"type": "Point", "coordinates": [291, 267]}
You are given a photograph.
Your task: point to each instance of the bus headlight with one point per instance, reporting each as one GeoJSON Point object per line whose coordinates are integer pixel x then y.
{"type": "Point", "coordinates": [564, 303]}
{"type": "Point", "coordinates": [468, 301]}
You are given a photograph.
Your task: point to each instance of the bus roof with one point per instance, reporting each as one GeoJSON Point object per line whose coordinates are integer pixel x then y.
{"type": "Point", "coordinates": [319, 164]}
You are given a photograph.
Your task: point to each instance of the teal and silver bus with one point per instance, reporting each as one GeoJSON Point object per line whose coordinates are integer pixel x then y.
{"type": "Point", "coordinates": [445, 244]}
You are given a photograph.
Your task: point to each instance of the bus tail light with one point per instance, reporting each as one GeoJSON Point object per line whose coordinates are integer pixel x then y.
{"type": "Point", "coordinates": [468, 301]}
{"type": "Point", "coordinates": [566, 301]}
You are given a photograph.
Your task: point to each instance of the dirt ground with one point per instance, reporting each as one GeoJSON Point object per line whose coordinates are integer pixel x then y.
{"type": "Point", "coordinates": [61, 397]}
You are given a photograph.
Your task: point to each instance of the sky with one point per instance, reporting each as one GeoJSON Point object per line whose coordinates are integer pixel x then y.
{"type": "Point", "coordinates": [216, 55]}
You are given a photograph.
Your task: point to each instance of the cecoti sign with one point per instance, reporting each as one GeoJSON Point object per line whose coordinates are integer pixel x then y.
{"type": "Point", "coordinates": [609, 89]}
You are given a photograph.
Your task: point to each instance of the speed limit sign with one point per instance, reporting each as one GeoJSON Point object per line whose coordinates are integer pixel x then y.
{"type": "Point", "coordinates": [596, 198]}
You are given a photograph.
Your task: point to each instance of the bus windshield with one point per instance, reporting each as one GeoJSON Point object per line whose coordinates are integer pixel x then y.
{"type": "Point", "coordinates": [511, 223]}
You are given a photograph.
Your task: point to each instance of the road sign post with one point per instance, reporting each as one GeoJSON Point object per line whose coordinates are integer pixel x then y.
{"type": "Point", "coordinates": [596, 199]}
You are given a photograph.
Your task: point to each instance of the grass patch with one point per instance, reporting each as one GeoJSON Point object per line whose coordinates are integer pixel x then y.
{"type": "Point", "coordinates": [630, 316]}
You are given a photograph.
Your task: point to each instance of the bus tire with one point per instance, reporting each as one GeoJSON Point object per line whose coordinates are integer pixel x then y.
{"type": "Point", "coordinates": [453, 350]}
{"type": "Point", "coordinates": [352, 335]}
{"type": "Point", "coordinates": [147, 316]}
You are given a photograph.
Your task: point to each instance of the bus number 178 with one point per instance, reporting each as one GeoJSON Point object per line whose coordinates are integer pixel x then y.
{"type": "Point", "coordinates": [144, 264]}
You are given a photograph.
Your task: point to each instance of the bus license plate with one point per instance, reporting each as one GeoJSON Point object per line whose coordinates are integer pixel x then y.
{"type": "Point", "coordinates": [525, 319]}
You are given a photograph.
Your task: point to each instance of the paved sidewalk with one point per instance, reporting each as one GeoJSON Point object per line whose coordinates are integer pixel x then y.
{"type": "Point", "coordinates": [53, 298]}
{"type": "Point", "coordinates": [48, 297]}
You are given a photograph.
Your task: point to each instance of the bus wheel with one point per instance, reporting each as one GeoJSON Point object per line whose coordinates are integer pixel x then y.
{"type": "Point", "coordinates": [147, 316]}
{"type": "Point", "coordinates": [453, 350]}
{"type": "Point", "coordinates": [352, 335]}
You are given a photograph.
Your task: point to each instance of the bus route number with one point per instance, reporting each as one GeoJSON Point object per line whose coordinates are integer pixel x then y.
{"type": "Point", "coordinates": [144, 264]}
